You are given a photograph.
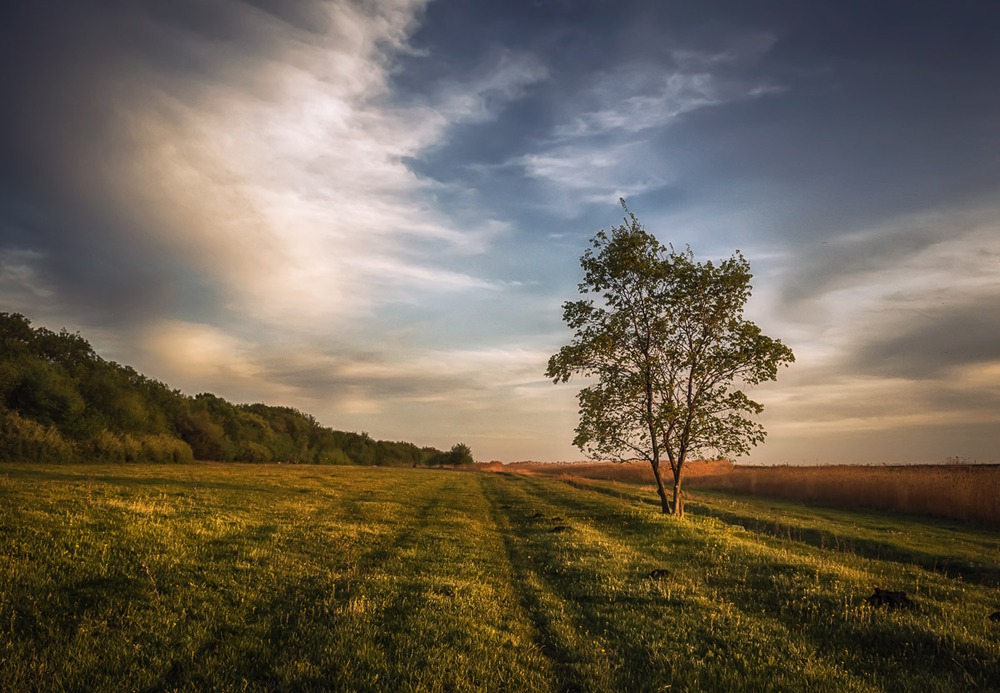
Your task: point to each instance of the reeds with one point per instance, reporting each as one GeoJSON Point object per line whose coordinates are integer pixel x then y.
{"type": "Point", "coordinates": [960, 492]}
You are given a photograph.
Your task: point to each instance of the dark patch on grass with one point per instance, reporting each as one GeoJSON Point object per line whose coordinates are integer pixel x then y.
{"type": "Point", "coordinates": [988, 575]}
{"type": "Point", "coordinates": [890, 600]}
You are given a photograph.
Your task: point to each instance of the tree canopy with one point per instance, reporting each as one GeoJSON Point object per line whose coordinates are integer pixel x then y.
{"type": "Point", "coordinates": [664, 337]}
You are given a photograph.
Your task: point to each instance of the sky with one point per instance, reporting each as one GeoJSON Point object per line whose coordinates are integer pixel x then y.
{"type": "Point", "coordinates": [373, 211]}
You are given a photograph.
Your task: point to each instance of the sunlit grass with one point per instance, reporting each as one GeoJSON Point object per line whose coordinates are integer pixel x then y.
{"type": "Point", "coordinates": [231, 577]}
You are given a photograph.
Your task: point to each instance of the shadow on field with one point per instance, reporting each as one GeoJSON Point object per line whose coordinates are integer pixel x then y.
{"type": "Point", "coordinates": [556, 599]}
{"type": "Point", "coordinates": [158, 483]}
{"type": "Point", "coordinates": [545, 637]}
{"type": "Point", "coordinates": [869, 548]}
{"type": "Point", "coordinates": [987, 575]}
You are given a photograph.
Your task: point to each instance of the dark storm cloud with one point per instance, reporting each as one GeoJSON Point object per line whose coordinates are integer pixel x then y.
{"type": "Point", "coordinates": [70, 70]}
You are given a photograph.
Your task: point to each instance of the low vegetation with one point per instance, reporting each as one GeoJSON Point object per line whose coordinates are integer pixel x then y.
{"type": "Point", "coordinates": [962, 492]}
{"type": "Point", "coordinates": [61, 402]}
{"type": "Point", "coordinates": [161, 577]}
{"type": "Point", "coordinates": [957, 491]}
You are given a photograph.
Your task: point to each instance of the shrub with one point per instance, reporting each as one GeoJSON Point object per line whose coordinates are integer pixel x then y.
{"type": "Point", "coordinates": [24, 440]}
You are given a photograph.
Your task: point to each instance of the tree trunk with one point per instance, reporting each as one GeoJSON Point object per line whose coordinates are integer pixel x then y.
{"type": "Point", "coordinates": [678, 506]}
{"type": "Point", "coordinates": [664, 501]}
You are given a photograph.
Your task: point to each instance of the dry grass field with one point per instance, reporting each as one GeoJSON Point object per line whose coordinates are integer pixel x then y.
{"type": "Point", "coordinates": [626, 472]}
{"type": "Point", "coordinates": [961, 492]}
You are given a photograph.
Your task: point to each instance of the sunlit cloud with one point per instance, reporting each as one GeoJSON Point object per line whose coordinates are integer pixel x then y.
{"type": "Point", "coordinates": [290, 186]}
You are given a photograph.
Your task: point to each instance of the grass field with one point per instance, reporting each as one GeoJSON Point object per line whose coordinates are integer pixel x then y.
{"type": "Point", "coordinates": [271, 577]}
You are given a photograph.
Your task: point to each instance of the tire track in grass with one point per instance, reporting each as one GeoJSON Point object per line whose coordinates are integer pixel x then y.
{"type": "Point", "coordinates": [368, 577]}
{"type": "Point", "coordinates": [687, 639]}
{"type": "Point", "coordinates": [713, 587]}
{"type": "Point", "coordinates": [532, 595]}
{"type": "Point", "coordinates": [301, 611]}
{"type": "Point", "coordinates": [304, 621]}
{"type": "Point", "coordinates": [442, 614]}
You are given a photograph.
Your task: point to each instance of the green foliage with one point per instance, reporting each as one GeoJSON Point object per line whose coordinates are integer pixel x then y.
{"type": "Point", "coordinates": [123, 447]}
{"type": "Point", "coordinates": [59, 401]}
{"type": "Point", "coordinates": [24, 440]}
{"type": "Point", "coordinates": [667, 343]}
{"type": "Point", "coordinates": [224, 577]}
{"type": "Point", "coordinates": [459, 455]}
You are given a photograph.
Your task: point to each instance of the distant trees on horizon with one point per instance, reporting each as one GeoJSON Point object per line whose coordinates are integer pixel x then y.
{"type": "Point", "coordinates": [61, 402]}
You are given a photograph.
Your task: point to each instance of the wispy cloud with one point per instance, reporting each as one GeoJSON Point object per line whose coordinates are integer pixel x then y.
{"type": "Point", "coordinates": [594, 173]}
{"type": "Point", "coordinates": [502, 78]}
{"type": "Point", "coordinates": [275, 168]}
{"type": "Point", "coordinates": [297, 195]}
{"type": "Point", "coordinates": [20, 282]}
{"type": "Point", "coordinates": [603, 145]}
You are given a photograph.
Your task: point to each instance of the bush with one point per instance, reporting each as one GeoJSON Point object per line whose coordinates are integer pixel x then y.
{"type": "Point", "coordinates": [108, 447]}
{"type": "Point", "coordinates": [164, 448]}
{"type": "Point", "coordinates": [23, 440]}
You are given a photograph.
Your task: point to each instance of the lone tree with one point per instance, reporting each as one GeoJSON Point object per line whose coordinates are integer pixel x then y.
{"type": "Point", "coordinates": [671, 352]}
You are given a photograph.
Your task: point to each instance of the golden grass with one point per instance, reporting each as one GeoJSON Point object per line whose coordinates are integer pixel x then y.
{"type": "Point", "coordinates": [961, 492]}
{"type": "Point", "coordinates": [625, 472]}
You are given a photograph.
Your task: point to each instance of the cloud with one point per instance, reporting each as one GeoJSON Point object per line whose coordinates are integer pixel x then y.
{"type": "Point", "coordinates": [896, 337]}
{"type": "Point", "coordinates": [607, 142]}
{"type": "Point", "coordinates": [593, 173]}
{"type": "Point", "coordinates": [273, 170]}
{"type": "Point", "coordinates": [503, 77]}
{"type": "Point", "coordinates": [20, 282]}
{"type": "Point", "coordinates": [490, 394]}
{"type": "Point", "coordinates": [640, 96]}
{"type": "Point", "coordinates": [197, 353]}
{"type": "Point", "coordinates": [293, 196]}
{"type": "Point", "coordinates": [928, 269]}
{"type": "Point", "coordinates": [940, 340]}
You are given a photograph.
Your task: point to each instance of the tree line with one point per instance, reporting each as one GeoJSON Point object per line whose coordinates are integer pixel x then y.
{"type": "Point", "coordinates": [61, 402]}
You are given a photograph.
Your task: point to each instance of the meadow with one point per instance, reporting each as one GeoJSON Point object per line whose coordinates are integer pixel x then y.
{"type": "Point", "coordinates": [245, 577]}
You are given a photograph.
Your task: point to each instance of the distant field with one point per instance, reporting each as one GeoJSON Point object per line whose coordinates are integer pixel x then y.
{"type": "Point", "coordinates": [961, 492]}
{"type": "Point", "coordinates": [349, 578]}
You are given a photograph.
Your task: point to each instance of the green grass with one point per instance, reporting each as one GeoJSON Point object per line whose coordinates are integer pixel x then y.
{"type": "Point", "coordinates": [263, 577]}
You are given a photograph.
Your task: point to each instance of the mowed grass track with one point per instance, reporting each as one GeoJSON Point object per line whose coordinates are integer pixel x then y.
{"type": "Point", "coordinates": [235, 577]}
